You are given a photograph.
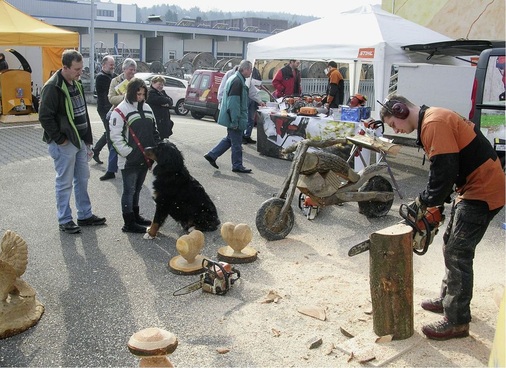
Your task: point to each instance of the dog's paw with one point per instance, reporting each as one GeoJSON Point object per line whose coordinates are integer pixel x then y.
{"type": "Point", "coordinates": [148, 237]}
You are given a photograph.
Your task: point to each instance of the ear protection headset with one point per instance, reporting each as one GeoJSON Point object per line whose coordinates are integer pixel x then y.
{"type": "Point", "coordinates": [397, 109]}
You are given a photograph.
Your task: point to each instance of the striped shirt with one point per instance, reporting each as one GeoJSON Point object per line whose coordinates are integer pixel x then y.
{"type": "Point", "coordinates": [79, 107]}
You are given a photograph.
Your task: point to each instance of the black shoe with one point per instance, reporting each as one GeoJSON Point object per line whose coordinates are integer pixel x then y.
{"type": "Point", "coordinates": [242, 170]}
{"type": "Point", "coordinates": [131, 226]}
{"type": "Point", "coordinates": [96, 157]}
{"type": "Point", "coordinates": [211, 161]}
{"type": "Point", "coordinates": [139, 219]}
{"type": "Point", "coordinates": [94, 220]}
{"type": "Point", "coordinates": [70, 227]}
{"type": "Point", "coordinates": [108, 175]}
{"type": "Point", "coordinates": [247, 140]}
{"type": "Point", "coordinates": [445, 330]}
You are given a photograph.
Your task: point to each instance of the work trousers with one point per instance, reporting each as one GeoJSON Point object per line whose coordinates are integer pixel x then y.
{"type": "Point", "coordinates": [468, 223]}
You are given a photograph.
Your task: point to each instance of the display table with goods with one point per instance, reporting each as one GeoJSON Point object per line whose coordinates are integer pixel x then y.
{"type": "Point", "coordinates": [277, 130]}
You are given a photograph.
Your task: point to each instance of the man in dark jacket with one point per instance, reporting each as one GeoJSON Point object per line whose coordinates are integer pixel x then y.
{"type": "Point", "coordinates": [102, 83]}
{"type": "Point", "coordinates": [233, 116]}
{"type": "Point", "coordinates": [67, 131]}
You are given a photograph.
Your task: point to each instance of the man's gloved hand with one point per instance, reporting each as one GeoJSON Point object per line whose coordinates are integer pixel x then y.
{"type": "Point", "coordinates": [417, 209]}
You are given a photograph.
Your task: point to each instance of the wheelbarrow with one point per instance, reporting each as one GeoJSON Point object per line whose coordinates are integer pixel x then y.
{"type": "Point", "coordinates": [326, 179]}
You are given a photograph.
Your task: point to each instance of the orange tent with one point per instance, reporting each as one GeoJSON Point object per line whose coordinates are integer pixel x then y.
{"type": "Point", "coordinates": [20, 29]}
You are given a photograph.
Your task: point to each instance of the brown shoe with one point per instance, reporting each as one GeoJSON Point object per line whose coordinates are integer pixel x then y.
{"type": "Point", "coordinates": [433, 305]}
{"type": "Point", "coordinates": [444, 330]}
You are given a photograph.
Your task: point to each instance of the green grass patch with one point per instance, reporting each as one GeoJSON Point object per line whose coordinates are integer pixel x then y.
{"type": "Point", "coordinates": [492, 121]}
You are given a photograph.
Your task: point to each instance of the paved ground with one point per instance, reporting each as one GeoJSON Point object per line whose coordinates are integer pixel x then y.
{"type": "Point", "coordinates": [101, 286]}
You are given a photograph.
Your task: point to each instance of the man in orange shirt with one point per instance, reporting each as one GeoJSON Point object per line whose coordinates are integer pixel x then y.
{"type": "Point", "coordinates": [461, 156]}
{"type": "Point", "coordinates": [335, 88]}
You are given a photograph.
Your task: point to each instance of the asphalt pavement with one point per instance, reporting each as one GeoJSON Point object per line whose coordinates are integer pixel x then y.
{"type": "Point", "coordinates": [101, 286]}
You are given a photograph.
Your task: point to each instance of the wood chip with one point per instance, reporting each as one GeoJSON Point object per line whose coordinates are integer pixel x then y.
{"type": "Point", "coordinates": [383, 339]}
{"type": "Point", "coordinates": [366, 360]}
{"type": "Point", "coordinates": [329, 348]}
{"type": "Point", "coordinates": [271, 297]}
{"type": "Point", "coordinates": [345, 333]}
{"type": "Point", "coordinates": [351, 357]}
{"type": "Point", "coordinates": [314, 342]}
{"type": "Point", "coordinates": [222, 350]}
{"type": "Point", "coordinates": [275, 332]}
{"type": "Point", "coordinates": [315, 312]}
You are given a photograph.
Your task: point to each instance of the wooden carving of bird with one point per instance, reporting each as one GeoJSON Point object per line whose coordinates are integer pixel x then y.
{"type": "Point", "coordinates": [13, 262]}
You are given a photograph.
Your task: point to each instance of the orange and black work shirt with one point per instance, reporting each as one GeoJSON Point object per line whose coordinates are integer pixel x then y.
{"type": "Point", "coordinates": [459, 155]}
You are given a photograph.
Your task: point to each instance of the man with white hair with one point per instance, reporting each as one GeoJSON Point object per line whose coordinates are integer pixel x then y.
{"type": "Point", "coordinates": [117, 90]}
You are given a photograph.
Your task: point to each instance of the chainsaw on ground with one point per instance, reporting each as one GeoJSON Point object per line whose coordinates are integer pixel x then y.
{"type": "Point", "coordinates": [424, 230]}
{"type": "Point", "coordinates": [217, 278]}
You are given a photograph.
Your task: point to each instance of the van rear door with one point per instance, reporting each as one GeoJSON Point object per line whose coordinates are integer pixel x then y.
{"type": "Point", "coordinates": [488, 94]}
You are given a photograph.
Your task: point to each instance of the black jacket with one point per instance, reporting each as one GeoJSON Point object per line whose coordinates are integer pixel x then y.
{"type": "Point", "coordinates": [102, 83]}
{"type": "Point", "coordinates": [56, 113]}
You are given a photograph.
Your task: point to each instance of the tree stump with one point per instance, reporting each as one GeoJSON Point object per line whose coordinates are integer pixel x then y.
{"type": "Point", "coordinates": [391, 281]}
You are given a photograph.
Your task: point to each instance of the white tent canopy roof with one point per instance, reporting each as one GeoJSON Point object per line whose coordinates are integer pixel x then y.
{"type": "Point", "coordinates": [340, 37]}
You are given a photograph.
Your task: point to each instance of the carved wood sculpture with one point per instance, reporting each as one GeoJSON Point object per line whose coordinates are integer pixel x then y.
{"type": "Point", "coordinates": [153, 345]}
{"type": "Point", "coordinates": [189, 260]}
{"type": "Point", "coordinates": [19, 309]}
{"type": "Point", "coordinates": [237, 237]}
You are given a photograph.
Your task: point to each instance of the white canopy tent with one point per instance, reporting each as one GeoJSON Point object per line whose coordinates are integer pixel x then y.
{"type": "Point", "coordinates": [365, 34]}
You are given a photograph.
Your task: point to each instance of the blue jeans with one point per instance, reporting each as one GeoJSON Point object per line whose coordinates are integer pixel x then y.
{"type": "Point", "coordinates": [133, 179]}
{"type": "Point", "coordinates": [72, 172]}
{"type": "Point", "coordinates": [112, 165]}
{"type": "Point", "coordinates": [468, 223]}
{"type": "Point", "coordinates": [232, 140]}
{"type": "Point", "coordinates": [252, 111]}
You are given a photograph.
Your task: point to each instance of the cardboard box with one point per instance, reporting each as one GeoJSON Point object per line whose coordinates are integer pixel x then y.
{"type": "Point", "coordinates": [355, 113]}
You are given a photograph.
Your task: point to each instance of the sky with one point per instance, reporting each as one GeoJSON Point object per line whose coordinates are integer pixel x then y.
{"type": "Point", "coordinates": [320, 8]}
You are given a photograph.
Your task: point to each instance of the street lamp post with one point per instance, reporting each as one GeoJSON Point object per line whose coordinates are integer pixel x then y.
{"type": "Point", "coordinates": [92, 47]}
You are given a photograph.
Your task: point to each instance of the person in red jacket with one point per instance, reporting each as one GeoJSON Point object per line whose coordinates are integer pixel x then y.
{"type": "Point", "coordinates": [461, 159]}
{"type": "Point", "coordinates": [287, 80]}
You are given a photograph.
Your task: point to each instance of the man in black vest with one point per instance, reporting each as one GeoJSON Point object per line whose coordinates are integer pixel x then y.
{"type": "Point", "coordinates": [102, 83]}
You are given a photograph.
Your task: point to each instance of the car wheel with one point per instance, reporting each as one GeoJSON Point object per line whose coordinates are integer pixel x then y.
{"type": "Point", "coordinates": [196, 115]}
{"type": "Point", "coordinates": [180, 109]}
{"type": "Point", "coordinates": [216, 114]}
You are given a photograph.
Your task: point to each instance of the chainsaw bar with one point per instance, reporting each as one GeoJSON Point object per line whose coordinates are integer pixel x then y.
{"type": "Point", "coordinates": [188, 288]}
{"type": "Point", "coordinates": [360, 248]}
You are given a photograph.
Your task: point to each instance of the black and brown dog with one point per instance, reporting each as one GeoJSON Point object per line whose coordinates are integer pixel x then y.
{"type": "Point", "coordinates": [177, 193]}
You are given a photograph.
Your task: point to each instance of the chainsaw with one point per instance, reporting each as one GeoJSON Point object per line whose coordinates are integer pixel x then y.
{"type": "Point", "coordinates": [217, 278]}
{"type": "Point", "coordinates": [424, 230]}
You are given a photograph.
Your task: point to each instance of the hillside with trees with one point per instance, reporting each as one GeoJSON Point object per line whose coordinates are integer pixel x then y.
{"type": "Point", "coordinates": [174, 13]}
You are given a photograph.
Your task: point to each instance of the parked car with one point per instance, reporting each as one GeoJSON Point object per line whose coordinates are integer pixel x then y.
{"type": "Point", "coordinates": [174, 87]}
{"type": "Point", "coordinates": [202, 94]}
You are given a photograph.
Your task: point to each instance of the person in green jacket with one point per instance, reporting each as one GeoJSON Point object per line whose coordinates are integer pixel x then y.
{"type": "Point", "coordinates": [233, 116]}
{"type": "Point", "coordinates": [67, 131]}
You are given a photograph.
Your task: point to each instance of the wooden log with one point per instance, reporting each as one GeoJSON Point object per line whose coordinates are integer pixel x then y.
{"type": "Point", "coordinates": [323, 162]}
{"type": "Point", "coordinates": [391, 281]}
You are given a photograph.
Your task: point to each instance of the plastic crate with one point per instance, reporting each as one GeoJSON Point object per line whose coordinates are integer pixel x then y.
{"type": "Point", "coordinates": [355, 113]}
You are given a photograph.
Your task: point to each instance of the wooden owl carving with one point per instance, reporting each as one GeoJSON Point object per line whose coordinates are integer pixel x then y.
{"type": "Point", "coordinates": [13, 262]}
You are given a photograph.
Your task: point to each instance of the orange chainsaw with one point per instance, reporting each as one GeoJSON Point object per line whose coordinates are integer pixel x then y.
{"type": "Point", "coordinates": [424, 230]}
